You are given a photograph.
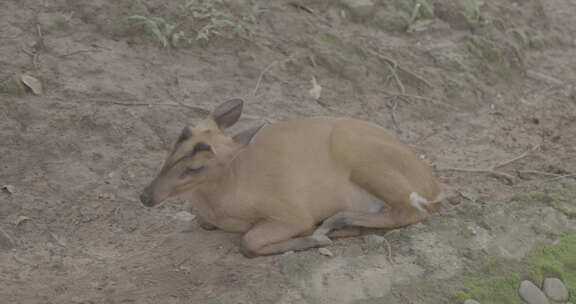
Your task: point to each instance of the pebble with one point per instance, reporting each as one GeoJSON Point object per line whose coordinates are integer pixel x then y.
{"type": "Point", "coordinates": [326, 252]}
{"type": "Point", "coordinates": [555, 289]}
{"type": "Point", "coordinates": [470, 301]}
{"type": "Point", "coordinates": [531, 294]}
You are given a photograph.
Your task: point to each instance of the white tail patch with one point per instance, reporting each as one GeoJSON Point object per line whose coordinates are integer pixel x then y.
{"type": "Point", "coordinates": [419, 202]}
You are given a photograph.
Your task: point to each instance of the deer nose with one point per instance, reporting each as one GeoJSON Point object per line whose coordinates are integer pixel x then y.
{"type": "Point", "coordinates": [146, 198]}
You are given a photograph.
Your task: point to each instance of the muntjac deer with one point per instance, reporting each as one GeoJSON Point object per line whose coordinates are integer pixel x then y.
{"type": "Point", "coordinates": [277, 183]}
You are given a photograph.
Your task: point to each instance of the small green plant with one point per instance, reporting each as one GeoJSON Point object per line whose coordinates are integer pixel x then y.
{"type": "Point", "coordinates": [472, 11]}
{"type": "Point", "coordinates": [216, 21]}
{"type": "Point", "coordinates": [159, 28]}
{"type": "Point", "coordinates": [531, 39]}
{"type": "Point", "coordinates": [330, 38]}
{"type": "Point", "coordinates": [210, 18]}
{"type": "Point", "coordinates": [488, 50]}
{"type": "Point", "coordinates": [412, 11]}
{"type": "Point", "coordinates": [11, 85]}
{"type": "Point", "coordinates": [252, 16]}
{"type": "Point", "coordinates": [522, 35]}
{"type": "Point", "coordinates": [461, 80]}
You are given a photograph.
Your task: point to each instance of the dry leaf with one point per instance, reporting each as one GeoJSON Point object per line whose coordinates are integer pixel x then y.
{"type": "Point", "coordinates": [34, 84]}
{"type": "Point", "coordinates": [60, 240]}
{"type": "Point", "coordinates": [325, 251]}
{"type": "Point", "coordinates": [21, 219]}
{"type": "Point", "coordinates": [420, 26]}
{"type": "Point", "coordinates": [316, 90]}
{"type": "Point", "coordinates": [9, 189]}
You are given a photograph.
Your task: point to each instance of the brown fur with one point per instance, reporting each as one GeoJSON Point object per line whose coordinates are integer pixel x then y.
{"type": "Point", "coordinates": [277, 184]}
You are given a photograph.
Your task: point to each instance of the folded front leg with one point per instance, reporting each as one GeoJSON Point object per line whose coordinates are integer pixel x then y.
{"type": "Point", "coordinates": [267, 238]}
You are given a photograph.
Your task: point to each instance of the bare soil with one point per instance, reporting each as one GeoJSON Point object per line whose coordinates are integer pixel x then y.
{"type": "Point", "coordinates": [495, 118]}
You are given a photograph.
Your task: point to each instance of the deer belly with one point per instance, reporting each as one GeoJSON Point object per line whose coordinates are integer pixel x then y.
{"type": "Point", "coordinates": [363, 201]}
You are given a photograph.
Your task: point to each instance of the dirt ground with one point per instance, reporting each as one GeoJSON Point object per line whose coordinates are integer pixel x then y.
{"type": "Point", "coordinates": [488, 100]}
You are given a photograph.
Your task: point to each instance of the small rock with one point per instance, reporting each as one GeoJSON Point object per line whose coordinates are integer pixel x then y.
{"type": "Point", "coordinates": [470, 301]}
{"type": "Point", "coordinates": [531, 294]}
{"type": "Point", "coordinates": [326, 252]}
{"type": "Point", "coordinates": [359, 9]}
{"type": "Point", "coordinates": [555, 289]}
{"type": "Point", "coordinates": [33, 83]}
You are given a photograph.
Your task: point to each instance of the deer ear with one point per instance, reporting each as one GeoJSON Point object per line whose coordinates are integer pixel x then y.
{"type": "Point", "coordinates": [245, 137]}
{"type": "Point", "coordinates": [228, 113]}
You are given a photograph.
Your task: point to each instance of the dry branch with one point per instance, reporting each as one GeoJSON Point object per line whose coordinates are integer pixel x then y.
{"type": "Point", "coordinates": [390, 259]}
{"type": "Point", "coordinates": [267, 69]}
{"type": "Point", "coordinates": [493, 170]}
{"type": "Point", "coordinates": [392, 62]}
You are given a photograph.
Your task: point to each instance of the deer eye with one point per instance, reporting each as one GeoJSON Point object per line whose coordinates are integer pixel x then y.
{"type": "Point", "coordinates": [193, 171]}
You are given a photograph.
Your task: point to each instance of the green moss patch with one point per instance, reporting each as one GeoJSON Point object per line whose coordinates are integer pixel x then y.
{"type": "Point", "coordinates": [560, 197]}
{"type": "Point", "coordinates": [497, 280]}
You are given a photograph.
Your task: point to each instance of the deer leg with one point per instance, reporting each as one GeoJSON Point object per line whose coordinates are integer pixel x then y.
{"type": "Point", "coordinates": [205, 225]}
{"type": "Point", "coordinates": [341, 233]}
{"type": "Point", "coordinates": [402, 214]}
{"type": "Point", "coordinates": [345, 232]}
{"type": "Point", "coordinates": [267, 238]}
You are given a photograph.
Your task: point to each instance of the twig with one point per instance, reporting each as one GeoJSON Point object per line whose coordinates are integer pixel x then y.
{"type": "Point", "coordinates": [33, 56]}
{"type": "Point", "coordinates": [429, 99]}
{"type": "Point", "coordinates": [266, 70]}
{"type": "Point", "coordinates": [302, 7]}
{"type": "Point", "coordinates": [39, 31]}
{"type": "Point", "coordinates": [394, 70]}
{"type": "Point", "coordinates": [393, 113]}
{"type": "Point", "coordinates": [262, 75]}
{"type": "Point", "coordinates": [393, 62]}
{"type": "Point", "coordinates": [540, 173]}
{"type": "Point", "coordinates": [197, 109]}
{"type": "Point", "coordinates": [22, 261]}
{"type": "Point", "coordinates": [77, 52]}
{"type": "Point", "coordinates": [492, 170]}
{"type": "Point", "coordinates": [390, 259]}
{"type": "Point", "coordinates": [425, 137]}
{"type": "Point", "coordinates": [412, 96]}
{"type": "Point", "coordinates": [489, 171]}
{"type": "Point", "coordinates": [561, 177]}
{"type": "Point", "coordinates": [502, 164]}
{"type": "Point", "coordinates": [39, 45]}
{"type": "Point", "coordinates": [465, 196]}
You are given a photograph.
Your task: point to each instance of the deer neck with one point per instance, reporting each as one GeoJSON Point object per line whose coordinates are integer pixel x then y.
{"type": "Point", "coordinates": [220, 191]}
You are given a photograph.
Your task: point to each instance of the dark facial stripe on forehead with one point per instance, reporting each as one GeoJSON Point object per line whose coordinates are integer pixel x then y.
{"type": "Point", "coordinates": [184, 135]}
{"type": "Point", "coordinates": [199, 147]}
